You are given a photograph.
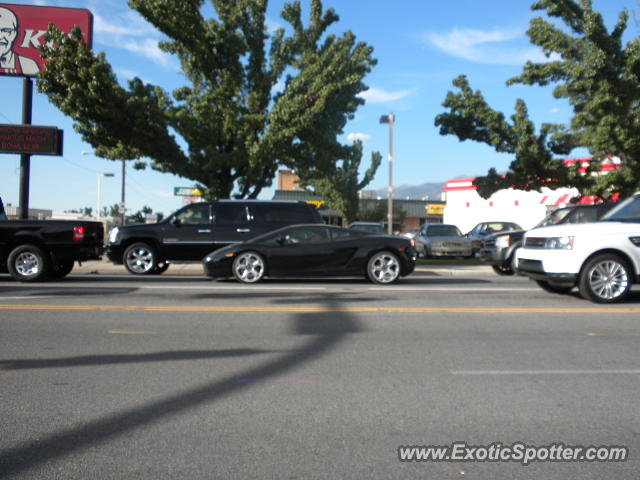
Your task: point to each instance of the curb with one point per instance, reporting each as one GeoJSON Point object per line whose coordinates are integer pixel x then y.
{"type": "Point", "coordinates": [105, 267]}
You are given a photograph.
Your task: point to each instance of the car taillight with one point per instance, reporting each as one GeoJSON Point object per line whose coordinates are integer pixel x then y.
{"type": "Point", "coordinates": [78, 233]}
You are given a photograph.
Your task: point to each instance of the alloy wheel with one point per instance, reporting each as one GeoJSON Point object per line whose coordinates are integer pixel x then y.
{"type": "Point", "coordinates": [248, 267]}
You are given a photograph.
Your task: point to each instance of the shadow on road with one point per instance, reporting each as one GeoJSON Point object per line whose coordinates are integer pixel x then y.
{"type": "Point", "coordinates": [327, 330]}
{"type": "Point", "coordinates": [93, 360]}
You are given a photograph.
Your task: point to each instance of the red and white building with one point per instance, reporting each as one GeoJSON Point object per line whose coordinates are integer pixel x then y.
{"type": "Point", "coordinates": [465, 208]}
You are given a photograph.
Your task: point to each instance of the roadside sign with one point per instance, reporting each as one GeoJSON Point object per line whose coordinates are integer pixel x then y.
{"type": "Point", "coordinates": [22, 31]}
{"type": "Point", "coordinates": [186, 192]}
{"type": "Point", "coordinates": [435, 209]}
{"type": "Point", "coordinates": [32, 139]}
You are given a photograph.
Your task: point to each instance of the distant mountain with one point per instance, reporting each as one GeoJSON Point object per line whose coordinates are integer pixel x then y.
{"type": "Point", "coordinates": [432, 190]}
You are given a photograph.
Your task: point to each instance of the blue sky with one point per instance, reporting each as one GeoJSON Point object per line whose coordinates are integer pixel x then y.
{"type": "Point", "coordinates": [420, 45]}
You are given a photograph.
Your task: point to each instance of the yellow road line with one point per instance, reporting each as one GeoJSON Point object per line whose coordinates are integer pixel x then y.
{"type": "Point", "coordinates": [593, 334]}
{"type": "Point", "coordinates": [312, 309]}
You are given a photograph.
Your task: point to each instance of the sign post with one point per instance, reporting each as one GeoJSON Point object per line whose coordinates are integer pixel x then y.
{"type": "Point", "coordinates": [25, 158]}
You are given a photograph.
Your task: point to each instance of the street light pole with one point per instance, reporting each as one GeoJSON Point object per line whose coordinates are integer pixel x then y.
{"type": "Point", "coordinates": [124, 171]}
{"type": "Point", "coordinates": [99, 193]}
{"type": "Point", "coordinates": [389, 119]}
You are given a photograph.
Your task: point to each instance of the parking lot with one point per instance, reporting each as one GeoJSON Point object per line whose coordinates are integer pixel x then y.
{"type": "Point", "coordinates": [117, 376]}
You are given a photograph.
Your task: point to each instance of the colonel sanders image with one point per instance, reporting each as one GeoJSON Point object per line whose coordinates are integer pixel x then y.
{"type": "Point", "coordinates": [10, 62]}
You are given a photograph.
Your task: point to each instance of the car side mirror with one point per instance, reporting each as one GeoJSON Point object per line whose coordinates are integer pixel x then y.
{"type": "Point", "coordinates": [175, 221]}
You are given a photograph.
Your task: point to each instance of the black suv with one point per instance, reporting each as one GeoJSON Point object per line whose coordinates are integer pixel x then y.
{"type": "Point", "coordinates": [197, 229]}
{"type": "Point", "coordinates": [498, 250]}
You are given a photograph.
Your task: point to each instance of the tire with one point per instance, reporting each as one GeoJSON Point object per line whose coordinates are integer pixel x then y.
{"type": "Point", "coordinates": [61, 270]}
{"type": "Point", "coordinates": [605, 278]}
{"type": "Point", "coordinates": [503, 269]}
{"type": "Point", "coordinates": [28, 263]}
{"type": "Point", "coordinates": [160, 268]}
{"type": "Point", "coordinates": [547, 287]}
{"type": "Point", "coordinates": [140, 259]}
{"type": "Point", "coordinates": [383, 268]}
{"type": "Point", "coordinates": [249, 267]}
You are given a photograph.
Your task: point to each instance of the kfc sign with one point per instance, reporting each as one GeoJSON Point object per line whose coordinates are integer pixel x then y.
{"type": "Point", "coordinates": [22, 31]}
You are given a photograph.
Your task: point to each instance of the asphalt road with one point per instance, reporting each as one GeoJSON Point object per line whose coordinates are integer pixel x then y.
{"type": "Point", "coordinates": [111, 376]}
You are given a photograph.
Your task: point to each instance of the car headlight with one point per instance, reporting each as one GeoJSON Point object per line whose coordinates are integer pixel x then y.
{"type": "Point", "coordinates": [503, 241]}
{"type": "Point", "coordinates": [113, 235]}
{"type": "Point", "coordinates": [559, 243]}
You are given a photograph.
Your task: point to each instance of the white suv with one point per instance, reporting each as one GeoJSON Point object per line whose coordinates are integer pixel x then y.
{"type": "Point", "coordinates": [601, 258]}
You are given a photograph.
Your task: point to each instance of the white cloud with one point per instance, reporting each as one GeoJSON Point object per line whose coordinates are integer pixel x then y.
{"type": "Point", "coordinates": [148, 48]}
{"type": "Point", "coordinates": [129, 24]}
{"type": "Point", "coordinates": [496, 46]}
{"type": "Point", "coordinates": [376, 95]}
{"type": "Point", "coordinates": [554, 110]}
{"type": "Point", "coordinates": [273, 25]}
{"type": "Point", "coordinates": [352, 137]}
{"type": "Point", "coordinates": [125, 32]}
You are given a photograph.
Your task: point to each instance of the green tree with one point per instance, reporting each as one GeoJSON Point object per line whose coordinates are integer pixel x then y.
{"type": "Point", "coordinates": [598, 75]}
{"type": "Point", "coordinates": [337, 181]}
{"type": "Point", "coordinates": [86, 211]}
{"type": "Point", "coordinates": [237, 125]}
{"type": "Point", "coordinates": [113, 211]}
{"type": "Point", "coordinates": [377, 210]}
{"type": "Point", "coordinates": [141, 215]}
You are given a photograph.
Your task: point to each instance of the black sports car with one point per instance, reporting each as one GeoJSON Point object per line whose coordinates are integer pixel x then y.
{"type": "Point", "coordinates": [314, 250]}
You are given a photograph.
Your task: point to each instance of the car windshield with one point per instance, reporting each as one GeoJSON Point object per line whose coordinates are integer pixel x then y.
{"type": "Point", "coordinates": [368, 228]}
{"type": "Point", "coordinates": [443, 231]}
{"type": "Point", "coordinates": [554, 217]}
{"type": "Point", "coordinates": [626, 211]}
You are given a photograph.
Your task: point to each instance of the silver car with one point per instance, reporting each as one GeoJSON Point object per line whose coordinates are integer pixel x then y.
{"type": "Point", "coordinates": [441, 240]}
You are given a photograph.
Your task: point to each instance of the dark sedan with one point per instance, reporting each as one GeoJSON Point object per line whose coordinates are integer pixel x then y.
{"type": "Point", "coordinates": [314, 250]}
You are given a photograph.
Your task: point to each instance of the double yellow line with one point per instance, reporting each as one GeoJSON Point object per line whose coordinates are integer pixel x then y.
{"type": "Point", "coordinates": [312, 309]}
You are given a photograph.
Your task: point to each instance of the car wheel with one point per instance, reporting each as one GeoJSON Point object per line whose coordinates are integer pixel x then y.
{"type": "Point", "coordinates": [503, 269]}
{"type": "Point", "coordinates": [383, 267]}
{"type": "Point", "coordinates": [249, 267]}
{"type": "Point", "coordinates": [605, 279]}
{"type": "Point", "coordinates": [61, 270]}
{"type": "Point", "coordinates": [140, 259]}
{"type": "Point", "coordinates": [548, 287]}
{"type": "Point", "coordinates": [160, 268]}
{"type": "Point", "coordinates": [28, 263]}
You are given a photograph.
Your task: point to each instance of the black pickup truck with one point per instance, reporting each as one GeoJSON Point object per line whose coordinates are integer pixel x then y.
{"type": "Point", "coordinates": [35, 250]}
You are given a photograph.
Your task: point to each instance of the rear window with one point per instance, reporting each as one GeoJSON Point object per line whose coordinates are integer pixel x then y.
{"type": "Point", "coordinates": [285, 213]}
{"type": "Point", "coordinates": [443, 231]}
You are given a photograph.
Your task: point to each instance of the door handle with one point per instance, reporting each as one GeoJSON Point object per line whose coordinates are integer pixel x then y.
{"type": "Point", "coordinates": [243, 230]}
{"type": "Point", "coordinates": [206, 230]}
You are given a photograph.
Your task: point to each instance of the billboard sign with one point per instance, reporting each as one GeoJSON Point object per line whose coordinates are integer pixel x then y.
{"type": "Point", "coordinates": [22, 31]}
{"type": "Point", "coordinates": [30, 139]}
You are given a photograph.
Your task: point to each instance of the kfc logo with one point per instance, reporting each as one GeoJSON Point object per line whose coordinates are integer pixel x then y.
{"type": "Point", "coordinates": [10, 62]}
{"type": "Point", "coordinates": [22, 31]}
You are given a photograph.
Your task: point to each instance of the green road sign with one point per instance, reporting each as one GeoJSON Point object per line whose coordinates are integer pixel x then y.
{"type": "Point", "coordinates": [186, 192]}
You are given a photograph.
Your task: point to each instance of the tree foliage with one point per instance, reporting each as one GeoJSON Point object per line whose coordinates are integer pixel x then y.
{"type": "Point", "coordinates": [337, 181]}
{"type": "Point", "coordinates": [596, 73]}
{"type": "Point", "coordinates": [253, 100]}
{"type": "Point", "coordinates": [378, 210]}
